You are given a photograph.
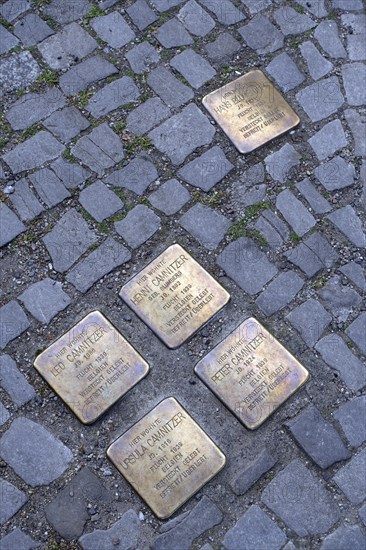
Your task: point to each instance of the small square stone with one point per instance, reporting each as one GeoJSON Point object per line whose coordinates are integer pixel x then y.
{"type": "Point", "coordinates": [14, 382]}
{"type": "Point", "coordinates": [253, 470]}
{"type": "Point", "coordinates": [310, 319]}
{"type": "Point", "coordinates": [351, 416]}
{"type": "Point", "coordinates": [335, 174]}
{"type": "Point", "coordinates": [173, 34]}
{"type": "Point", "coordinates": [66, 123]}
{"type": "Point", "coordinates": [10, 225]}
{"type": "Point", "coordinates": [224, 10]}
{"type": "Point", "coordinates": [195, 69]}
{"type": "Point", "coordinates": [305, 258]}
{"type": "Point", "coordinates": [280, 292]}
{"type": "Point", "coordinates": [285, 72]}
{"type": "Point", "coordinates": [206, 225]}
{"type": "Point", "coordinates": [141, 14]}
{"type": "Point", "coordinates": [351, 478]}
{"type": "Point", "coordinates": [11, 9]}
{"type": "Point", "coordinates": [138, 226]}
{"type": "Point", "coordinates": [354, 78]}
{"type": "Point", "coordinates": [33, 152]}
{"type": "Point", "coordinates": [295, 212]}
{"type": "Point", "coordinates": [12, 500]}
{"type": "Point", "coordinates": [64, 11]}
{"type": "Point", "coordinates": [317, 8]}
{"type": "Point", "coordinates": [196, 19]}
{"type": "Point", "coordinates": [291, 21]}
{"type": "Point", "coordinates": [280, 163]}
{"type": "Point", "coordinates": [17, 539]}
{"type": "Point", "coordinates": [321, 99]}
{"type": "Point", "coordinates": [113, 95]}
{"type": "Point", "coordinates": [32, 108]}
{"type": "Point", "coordinates": [25, 201]}
{"type": "Point", "coordinates": [327, 35]}
{"type": "Point", "coordinates": [317, 64]}
{"type": "Point", "coordinates": [173, 92]}
{"type": "Point", "coordinates": [49, 187]}
{"type": "Point", "coordinates": [71, 174]}
{"type": "Point", "coordinates": [355, 273]}
{"type": "Point", "coordinates": [261, 35]}
{"type": "Point", "coordinates": [170, 197]}
{"type": "Point", "coordinates": [207, 170]}
{"type": "Point", "coordinates": [322, 248]}
{"type": "Point", "coordinates": [7, 40]}
{"type": "Point", "coordinates": [318, 203]}
{"type": "Point", "coordinates": [142, 57]}
{"type": "Point", "coordinates": [31, 29]}
{"type": "Point", "coordinates": [357, 125]}
{"type": "Point", "coordinates": [328, 140]}
{"type": "Point", "coordinates": [252, 529]}
{"type": "Point", "coordinates": [99, 201]}
{"type": "Point", "coordinates": [255, 6]}
{"type": "Point", "coordinates": [136, 176]}
{"type": "Point", "coordinates": [223, 48]}
{"type": "Point", "coordinates": [45, 299]}
{"type": "Point", "coordinates": [113, 29]}
{"type": "Point", "coordinates": [91, 70]}
{"type": "Point", "coordinates": [347, 221]}
{"type": "Point", "coordinates": [357, 332]}
{"type": "Point", "coordinates": [13, 322]}
{"type": "Point", "coordinates": [146, 116]}
{"type": "Point", "coordinates": [18, 71]}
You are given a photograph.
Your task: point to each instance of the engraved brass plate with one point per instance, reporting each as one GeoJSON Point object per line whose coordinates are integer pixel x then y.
{"type": "Point", "coordinates": [251, 372]}
{"type": "Point", "coordinates": [174, 296]}
{"type": "Point", "coordinates": [166, 457]}
{"type": "Point", "coordinates": [251, 111]}
{"type": "Point", "coordinates": [91, 366]}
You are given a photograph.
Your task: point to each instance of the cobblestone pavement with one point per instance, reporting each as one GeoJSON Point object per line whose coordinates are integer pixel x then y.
{"type": "Point", "coordinates": [108, 157]}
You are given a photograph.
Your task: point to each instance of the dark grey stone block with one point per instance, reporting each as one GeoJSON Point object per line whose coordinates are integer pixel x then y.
{"type": "Point", "coordinates": [100, 201]}
{"type": "Point", "coordinates": [310, 319]}
{"type": "Point", "coordinates": [261, 35]}
{"type": "Point", "coordinates": [12, 9]}
{"type": "Point", "coordinates": [125, 530]}
{"type": "Point", "coordinates": [354, 77]}
{"type": "Point", "coordinates": [33, 152]}
{"type": "Point", "coordinates": [173, 34]}
{"type": "Point", "coordinates": [357, 332]}
{"type": "Point", "coordinates": [285, 72]}
{"type": "Point", "coordinates": [14, 382]}
{"type": "Point", "coordinates": [136, 176]}
{"type": "Point", "coordinates": [19, 540]}
{"type": "Point", "coordinates": [291, 21]}
{"type": "Point", "coordinates": [358, 129]}
{"type": "Point", "coordinates": [351, 478]}
{"type": "Point", "coordinates": [327, 35]}
{"type": "Point", "coordinates": [33, 107]}
{"type": "Point", "coordinates": [280, 292]}
{"type": "Point", "coordinates": [138, 226]}
{"type": "Point", "coordinates": [85, 73]}
{"type": "Point", "coordinates": [25, 202]}
{"type": "Point", "coordinates": [67, 123]}
{"type": "Point", "coordinates": [12, 500]}
{"type": "Point", "coordinates": [113, 29]}
{"type": "Point", "coordinates": [351, 416]}
{"type": "Point", "coordinates": [328, 140]}
{"type": "Point", "coordinates": [280, 163]}
{"type": "Point", "coordinates": [339, 299]}
{"type": "Point", "coordinates": [295, 212]}
{"type": "Point", "coordinates": [170, 197]}
{"type": "Point", "coordinates": [7, 40]}
{"type": "Point", "coordinates": [146, 116]}
{"type": "Point", "coordinates": [10, 225]}
{"type": "Point", "coordinates": [317, 64]}
{"type": "Point", "coordinates": [252, 472]}
{"type": "Point", "coordinates": [196, 19]}
{"type": "Point", "coordinates": [224, 10]}
{"type": "Point", "coordinates": [141, 14]}
{"type": "Point", "coordinates": [72, 175]}
{"type": "Point", "coordinates": [64, 11]}
{"type": "Point", "coordinates": [335, 174]}
{"type": "Point", "coordinates": [49, 187]}
{"type": "Point", "coordinates": [142, 57]}
{"type": "Point", "coordinates": [195, 69]}
{"type": "Point", "coordinates": [13, 321]}
{"type": "Point", "coordinates": [223, 48]}
{"type": "Point", "coordinates": [347, 221]}
{"type": "Point", "coordinates": [355, 273]}
{"type": "Point", "coordinates": [317, 202]}
{"type": "Point", "coordinates": [173, 92]}
{"type": "Point", "coordinates": [346, 536]}
{"type": "Point", "coordinates": [18, 71]}
{"type": "Point", "coordinates": [206, 170]}
{"type": "Point", "coordinates": [31, 29]}
{"type": "Point", "coordinates": [206, 225]}
{"type": "Point", "coordinates": [45, 299]}
{"type": "Point", "coordinates": [4, 414]}
{"type": "Point", "coordinates": [321, 99]}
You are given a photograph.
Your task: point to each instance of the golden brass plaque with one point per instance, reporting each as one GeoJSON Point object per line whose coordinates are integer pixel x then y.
{"type": "Point", "coordinates": [166, 457]}
{"type": "Point", "coordinates": [174, 296]}
{"type": "Point", "coordinates": [251, 111]}
{"type": "Point", "coordinates": [91, 366]}
{"type": "Point", "coordinates": [251, 372]}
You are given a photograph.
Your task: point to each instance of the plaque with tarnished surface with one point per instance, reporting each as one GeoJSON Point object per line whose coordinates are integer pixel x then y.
{"type": "Point", "coordinates": [174, 296]}
{"type": "Point", "coordinates": [166, 457]}
{"type": "Point", "coordinates": [91, 366]}
{"type": "Point", "coordinates": [251, 372]}
{"type": "Point", "coordinates": [251, 111]}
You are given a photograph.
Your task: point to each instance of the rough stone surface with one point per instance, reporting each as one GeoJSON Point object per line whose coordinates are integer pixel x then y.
{"type": "Point", "coordinates": [142, 57]}
{"type": "Point", "coordinates": [170, 197]}
{"type": "Point", "coordinates": [354, 77]}
{"type": "Point", "coordinates": [206, 225]}
{"type": "Point", "coordinates": [285, 72]}
{"type": "Point", "coordinates": [196, 19]}
{"type": "Point", "coordinates": [27, 444]}
{"type": "Point", "coordinates": [136, 176]}
{"type": "Point", "coordinates": [328, 37]}
{"type": "Point", "coordinates": [138, 226]}
{"type": "Point", "coordinates": [195, 69]}
{"type": "Point", "coordinates": [100, 201]}
{"type": "Point", "coordinates": [173, 92]}
{"type": "Point", "coordinates": [318, 203]}
{"type": "Point", "coordinates": [280, 292]}
{"type": "Point", "coordinates": [291, 21]}
{"type": "Point", "coordinates": [19, 540]}
{"type": "Point", "coordinates": [33, 152]}
{"type": "Point", "coordinates": [49, 187]}
{"type": "Point", "coordinates": [25, 201]}
{"type": "Point", "coordinates": [351, 478]}
{"type": "Point", "coordinates": [146, 116]}
{"type": "Point", "coordinates": [223, 48]}
{"type": "Point", "coordinates": [13, 8]}
{"type": "Point", "coordinates": [14, 382]}
{"type": "Point", "coordinates": [33, 107]}
{"type": "Point", "coordinates": [207, 170]}
{"type": "Point", "coordinates": [18, 71]}
{"type": "Point", "coordinates": [7, 40]}
{"type": "Point", "coordinates": [64, 11]}
{"type": "Point", "coordinates": [13, 321]}
{"type": "Point", "coordinates": [141, 14]}
{"type": "Point", "coordinates": [295, 212]}
{"type": "Point", "coordinates": [261, 35]}
{"type": "Point", "coordinates": [321, 99]}
{"type": "Point", "coordinates": [71, 44]}
{"type": "Point", "coordinates": [173, 34]}
{"type": "Point", "coordinates": [351, 416]}
{"type": "Point", "coordinates": [339, 299]}
{"type": "Point", "coordinates": [10, 225]}
{"type": "Point", "coordinates": [165, 5]}
{"type": "Point", "coordinates": [347, 221]}
{"type": "Point", "coordinates": [31, 29]}
{"type": "Point", "coordinates": [253, 471]}
{"type": "Point", "coordinates": [335, 174]}
{"type": "Point", "coordinates": [224, 10]}
{"type": "Point", "coordinates": [113, 29]}
{"type": "Point", "coordinates": [357, 332]}
{"type": "Point", "coordinates": [280, 163]}
{"type": "Point", "coordinates": [45, 299]}
{"type": "Point", "coordinates": [355, 273]}
{"type": "Point", "coordinates": [355, 25]}
{"type": "Point", "coordinates": [12, 500]}
{"type": "Point", "coordinates": [72, 175]}
{"type": "Point", "coordinates": [346, 536]}
{"type": "Point", "coordinates": [66, 124]}
{"type": "Point", "coordinates": [317, 64]}
{"type": "Point", "coordinates": [328, 140]}
{"type": "Point", "coordinates": [91, 70]}
{"type": "Point", "coordinates": [310, 319]}
{"type": "Point", "coordinates": [301, 501]}
{"type": "Point", "coordinates": [125, 530]}
{"type": "Point", "coordinates": [358, 129]}
{"type": "Point", "coordinates": [4, 414]}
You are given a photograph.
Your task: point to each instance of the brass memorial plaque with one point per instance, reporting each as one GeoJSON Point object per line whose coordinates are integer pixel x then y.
{"type": "Point", "coordinates": [91, 366]}
{"type": "Point", "coordinates": [166, 457]}
{"type": "Point", "coordinates": [251, 111]}
{"type": "Point", "coordinates": [174, 296]}
{"type": "Point", "coordinates": [251, 372]}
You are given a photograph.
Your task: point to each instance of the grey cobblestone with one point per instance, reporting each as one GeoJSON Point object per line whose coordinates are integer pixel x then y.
{"type": "Point", "coordinates": [33, 107]}
{"type": "Point", "coordinates": [18, 71]}
{"type": "Point", "coordinates": [165, 5]}
{"type": "Point", "coordinates": [14, 382]}
{"type": "Point", "coordinates": [11, 9]}
{"type": "Point", "coordinates": [310, 319]}
{"type": "Point", "coordinates": [14, 500]}
{"type": "Point", "coordinates": [318, 203]}
{"type": "Point", "coordinates": [317, 64]}
{"type": "Point", "coordinates": [196, 19]}
{"type": "Point", "coordinates": [112, 96]}
{"type": "Point", "coordinates": [146, 116]}
{"type": "Point", "coordinates": [170, 197]}
{"type": "Point", "coordinates": [206, 170]}
{"type": "Point", "coordinates": [31, 29]}
{"type": "Point", "coordinates": [124, 530]}
{"type": "Point", "coordinates": [100, 201]}
{"type": "Point", "coordinates": [335, 174]}
{"type": "Point", "coordinates": [354, 77]}
{"type": "Point", "coordinates": [33, 152]}
{"type": "Point", "coordinates": [355, 273]}
{"type": "Point", "coordinates": [357, 332]}
{"type": "Point", "coordinates": [321, 99]}
{"type": "Point", "coordinates": [346, 536]}
{"type": "Point", "coordinates": [72, 175]}
{"type": "Point", "coordinates": [224, 10]}
{"type": "Point", "coordinates": [113, 29]}
{"type": "Point", "coordinates": [19, 540]}
{"type": "Point", "coordinates": [351, 479]}
{"type": "Point", "coordinates": [280, 163]}
{"type": "Point", "coordinates": [362, 513]}
{"type": "Point", "coordinates": [356, 35]}
{"type": "Point", "coordinates": [136, 176]}
{"type": "Point", "coordinates": [4, 414]}
{"type": "Point", "coordinates": [252, 472]}
{"type": "Point", "coordinates": [353, 5]}
{"type": "Point", "coordinates": [142, 57]}
{"type": "Point", "coordinates": [7, 40]}
{"type": "Point", "coordinates": [45, 299]}
{"type": "Point", "coordinates": [173, 34]}
{"type": "Point", "coordinates": [13, 321]}
{"type": "Point", "coordinates": [66, 123]}
{"type": "Point", "coordinates": [173, 92]}
{"type": "Point", "coordinates": [10, 225]}
{"type": "Point", "coordinates": [80, 76]}
{"type": "Point", "coordinates": [195, 69]}
{"type": "Point", "coordinates": [327, 35]}
{"type": "Point", "coordinates": [295, 212]}
{"type": "Point", "coordinates": [280, 292]}
{"type": "Point", "coordinates": [206, 225]}
{"type": "Point", "coordinates": [64, 11]}
{"type": "Point", "coordinates": [291, 21]}
{"type": "Point", "coordinates": [358, 129]}
{"type": "Point", "coordinates": [347, 221]}
{"type": "Point", "coordinates": [141, 14]}
{"type": "Point", "coordinates": [285, 72]}
{"type": "Point", "coordinates": [138, 226]}
{"type": "Point", "coordinates": [260, 35]}
{"type": "Point", "coordinates": [339, 299]}
{"type": "Point", "coordinates": [25, 201]}
{"type": "Point", "coordinates": [351, 416]}
{"type": "Point", "coordinates": [223, 48]}
{"type": "Point", "coordinates": [49, 187]}
{"type": "Point", "coordinates": [328, 140]}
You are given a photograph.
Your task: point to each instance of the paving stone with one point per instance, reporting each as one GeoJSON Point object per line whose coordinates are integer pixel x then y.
{"type": "Point", "coordinates": [346, 536]}
{"type": "Point", "coordinates": [72, 175]}
{"type": "Point", "coordinates": [328, 140]}
{"type": "Point", "coordinates": [335, 174]}
{"type": "Point", "coordinates": [310, 319]}
{"type": "Point", "coordinates": [45, 299]}
{"type": "Point", "coordinates": [357, 332]}
{"type": "Point", "coordinates": [27, 444]}
{"type": "Point", "coordinates": [321, 247]}
{"type": "Point", "coordinates": [66, 123]}
{"type": "Point", "coordinates": [358, 129]}
{"type": "Point", "coordinates": [66, 47]}
{"type": "Point", "coordinates": [285, 72]}
{"type": "Point", "coordinates": [99, 150]}
{"type": "Point", "coordinates": [65, 11]}
{"type": "Point", "coordinates": [280, 163]}
{"type": "Point", "coordinates": [254, 530]}
{"type": "Point", "coordinates": [100, 201]}
{"type": "Point", "coordinates": [355, 273]}
{"type": "Point", "coordinates": [280, 292]}
{"type": "Point", "coordinates": [317, 64]}
{"type": "Point", "coordinates": [68, 240]}
{"type": "Point", "coordinates": [223, 48]}
{"type": "Point", "coordinates": [351, 478]}
{"type": "Point", "coordinates": [301, 501]}
{"type": "Point", "coordinates": [318, 203]}
{"type": "Point", "coordinates": [206, 225]}
{"type": "Point", "coordinates": [173, 34]}
{"type": "Point", "coordinates": [85, 73]}
{"type": "Point", "coordinates": [347, 221]}
{"type": "Point", "coordinates": [351, 416]}
{"type": "Point", "coordinates": [254, 195]}
{"type": "Point", "coordinates": [354, 77]}
{"type": "Point", "coordinates": [321, 99]}
{"type": "Point", "coordinates": [13, 8]}
{"type": "Point", "coordinates": [142, 57]}
{"type": "Point", "coordinates": [313, 254]}
{"type": "Point", "coordinates": [136, 176]}
{"type": "Point", "coordinates": [291, 21]}
{"type": "Point", "coordinates": [13, 321]}
{"type": "Point", "coordinates": [24, 201]}
{"type": "Point", "coordinates": [255, 6]}
{"type": "Point", "coordinates": [206, 170]}
{"type": "Point", "coordinates": [173, 92]}
{"type": "Point", "coordinates": [260, 35]}
{"type": "Point", "coordinates": [247, 265]}
{"type": "Point", "coordinates": [99, 263]}
{"type": "Point", "coordinates": [278, 225]}
{"type": "Point", "coordinates": [182, 134]}
{"type": "Point", "coordinates": [33, 107]}
{"type": "Point", "coordinates": [113, 95]}
{"type": "Point", "coordinates": [170, 197]}
{"type": "Point", "coordinates": [7, 40]}
{"type": "Point", "coordinates": [273, 238]}
{"type": "Point", "coordinates": [33, 152]}
{"type": "Point", "coordinates": [18, 71]}
{"type": "Point", "coordinates": [12, 500]}
{"type": "Point", "coordinates": [138, 226]}
{"type": "Point", "coordinates": [31, 29]}
{"type": "Point", "coordinates": [146, 116]}
{"type": "Point", "coordinates": [224, 10]}
{"type": "Point", "coordinates": [4, 414]}
{"type": "Point", "coordinates": [295, 212]}
{"type": "Point", "coordinates": [202, 517]}
{"type": "Point", "coordinates": [125, 530]}
{"type": "Point", "coordinates": [195, 69]}
{"type": "Point", "coordinates": [113, 29]}
{"type": "Point", "coordinates": [253, 471]}
{"type": "Point", "coordinates": [339, 299]}
{"type": "Point", "coordinates": [49, 187]}
{"type": "Point", "coordinates": [356, 26]}
{"type": "Point", "coordinates": [318, 438]}
{"type": "Point", "coordinates": [362, 513]}
{"type": "Point", "coordinates": [327, 35]}
{"type": "Point", "coordinates": [10, 225]}
{"type": "Point", "coordinates": [316, 7]}
{"type": "Point", "coordinates": [196, 19]}
{"type": "Point", "coordinates": [19, 540]}
{"type": "Point", "coordinates": [141, 14]}
{"type": "Point", "coordinates": [14, 382]}
{"type": "Point", "coordinates": [68, 512]}
{"type": "Point", "coordinates": [165, 5]}
{"type": "Point", "coordinates": [337, 355]}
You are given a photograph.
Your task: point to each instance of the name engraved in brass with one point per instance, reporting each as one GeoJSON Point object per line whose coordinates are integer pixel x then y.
{"type": "Point", "coordinates": [174, 296]}
{"type": "Point", "coordinates": [251, 111]}
{"type": "Point", "coordinates": [91, 366]}
{"type": "Point", "coordinates": [251, 372]}
{"type": "Point", "coordinates": [166, 457]}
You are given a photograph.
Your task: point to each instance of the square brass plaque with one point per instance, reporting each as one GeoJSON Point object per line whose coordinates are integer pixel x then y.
{"type": "Point", "coordinates": [251, 111]}
{"type": "Point", "coordinates": [91, 366]}
{"type": "Point", "coordinates": [174, 296]}
{"type": "Point", "coordinates": [166, 457]}
{"type": "Point", "coordinates": [251, 372]}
